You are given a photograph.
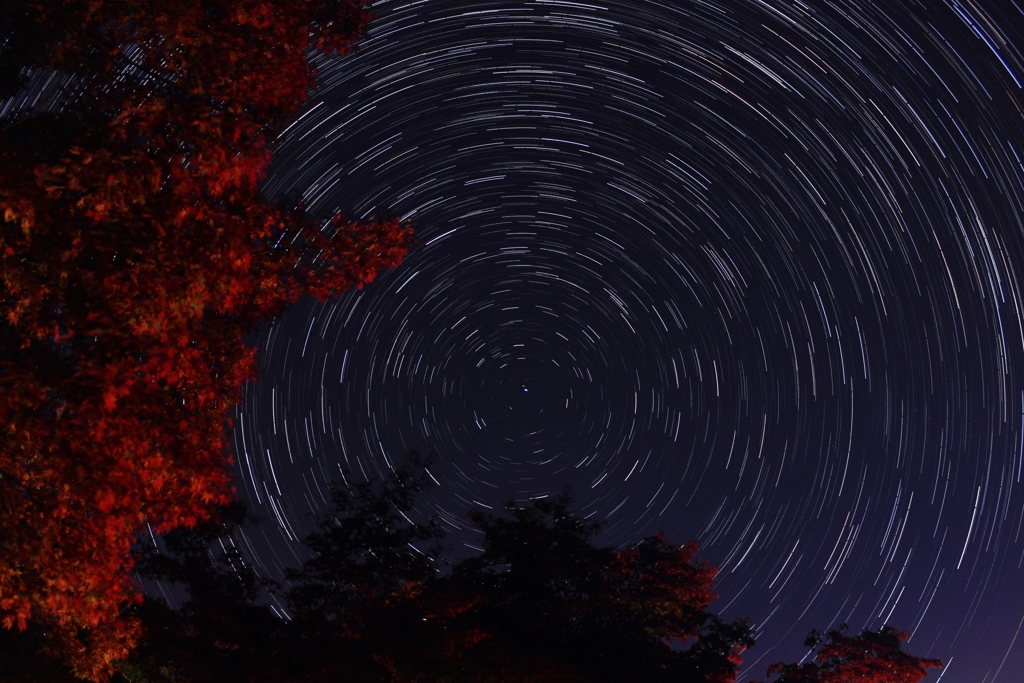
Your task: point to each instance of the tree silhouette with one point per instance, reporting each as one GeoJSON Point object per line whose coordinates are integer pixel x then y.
{"type": "Point", "coordinates": [375, 603]}
{"type": "Point", "coordinates": [358, 602]}
{"type": "Point", "coordinates": [136, 251]}
{"type": "Point", "coordinates": [366, 550]}
{"type": "Point", "coordinates": [220, 632]}
{"type": "Point", "coordinates": [544, 600]}
{"type": "Point", "coordinates": [869, 657]}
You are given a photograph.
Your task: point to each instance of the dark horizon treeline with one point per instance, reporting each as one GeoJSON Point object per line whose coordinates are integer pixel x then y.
{"type": "Point", "coordinates": [376, 604]}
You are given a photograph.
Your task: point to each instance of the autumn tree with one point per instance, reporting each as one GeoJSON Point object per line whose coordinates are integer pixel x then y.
{"type": "Point", "coordinates": [377, 602]}
{"type": "Point", "coordinates": [544, 602]}
{"type": "Point", "coordinates": [869, 657]}
{"type": "Point", "coordinates": [136, 252]}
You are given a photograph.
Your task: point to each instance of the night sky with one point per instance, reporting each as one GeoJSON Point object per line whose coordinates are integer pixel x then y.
{"type": "Point", "coordinates": [746, 272]}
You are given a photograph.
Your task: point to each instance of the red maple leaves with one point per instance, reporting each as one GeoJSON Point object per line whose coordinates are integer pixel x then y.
{"type": "Point", "coordinates": [135, 253]}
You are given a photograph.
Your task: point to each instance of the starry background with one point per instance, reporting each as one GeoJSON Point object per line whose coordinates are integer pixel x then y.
{"type": "Point", "coordinates": [746, 272]}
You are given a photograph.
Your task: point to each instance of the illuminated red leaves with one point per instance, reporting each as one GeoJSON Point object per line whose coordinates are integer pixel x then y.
{"type": "Point", "coordinates": [135, 253]}
{"type": "Point", "coordinates": [870, 657]}
{"type": "Point", "coordinates": [663, 583]}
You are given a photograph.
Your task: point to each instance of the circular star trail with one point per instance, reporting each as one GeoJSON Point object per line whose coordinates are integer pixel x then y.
{"type": "Point", "coordinates": [745, 272]}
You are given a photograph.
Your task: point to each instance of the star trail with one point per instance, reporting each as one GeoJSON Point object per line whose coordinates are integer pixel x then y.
{"type": "Point", "coordinates": [745, 272]}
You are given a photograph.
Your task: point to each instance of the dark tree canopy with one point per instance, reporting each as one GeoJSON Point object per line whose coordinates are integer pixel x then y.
{"type": "Point", "coordinates": [136, 251]}
{"type": "Point", "coordinates": [377, 602]}
{"type": "Point", "coordinates": [546, 598]}
{"type": "Point", "coordinates": [365, 551]}
{"type": "Point", "coordinates": [220, 628]}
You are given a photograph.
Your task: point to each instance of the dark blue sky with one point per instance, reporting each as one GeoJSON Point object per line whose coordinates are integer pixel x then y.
{"type": "Point", "coordinates": [746, 272]}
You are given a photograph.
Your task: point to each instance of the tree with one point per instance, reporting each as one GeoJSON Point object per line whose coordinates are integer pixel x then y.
{"type": "Point", "coordinates": [543, 602]}
{"type": "Point", "coordinates": [357, 603]}
{"type": "Point", "coordinates": [375, 604]}
{"type": "Point", "coordinates": [870, 657]}
{"type": "Point", "coordinates": [365, 550]}
{"type": "Point", "coordinates": [221, 632]}
{"type": "Point", "coordinates": [136, 252]}
{"type": "Point", "coordinates": [349, 607]}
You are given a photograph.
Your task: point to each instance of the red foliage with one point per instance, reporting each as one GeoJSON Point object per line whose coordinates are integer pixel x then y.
{"type": "Point", "coordinates": [135, 253]}
{"type": "Point", "coordinates": [871, 657]}
{"type": "Point", "coordinates": [665, 586]}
